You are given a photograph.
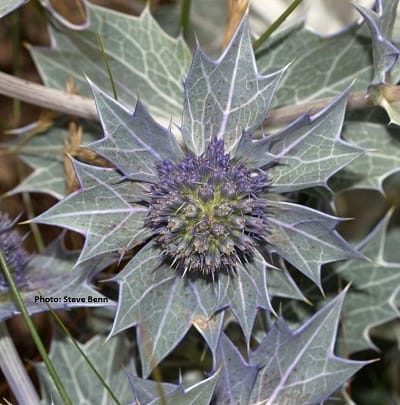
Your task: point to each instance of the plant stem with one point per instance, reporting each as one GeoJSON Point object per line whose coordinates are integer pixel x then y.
{"type": "Point", "coordinates": [284, 115]}
{"type": "Point", "coordinates": [14, 371]}
{"type": "Point", "coordinates": [46, 97]}
{"type": "Point", "coordinates": [16, 44]}
{"type": "Point", "coordinates": [84, 107]}
{"type": "Point", "coordinates": [26, 198]}
{"type": "Point", "coordinates": [276, 24]}
{"type": "Point", "coordinates": [185, 17]}
{"type": "Point", "coordinates": [35, 336]}
{"type": "Point", "coordinates": [105, 58]}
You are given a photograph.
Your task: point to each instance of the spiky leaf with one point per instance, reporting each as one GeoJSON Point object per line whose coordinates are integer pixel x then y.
{"type": "Point", "coordinates": [289, 366]}
{"type": "Point", "coordinates": [308, 152]}
{"type": "Point", "coordinates": [381, 159]}
{"type": "Point", "coordinates": [375, 287]}
{"type": "Point", "coordinates": [111, 360]}
{"type": "Point", "coordinates": [103, 210]}
{"type": "Point", "coordinates": [152, 297]}
{"type": "Point", "coordinates": [143, 60]}
{"type": "Point", "coordinates": [306, 238]}
{"type": "Point", "coordinates": [52, 276]}
{"type": "Point", "coordinates": [300, 366]}
{"type": "Point", "coordinates": [163, 305]}
{"type": "Point", "coordinates": [247, 291]}
{"type": "Point", "coordinates": [237, 376]}
{"type": "Point", "coordinates": [148, 392]}
{"type": "Point", "coordinates": [319, 68]}
{"type": "Point", "coordinates": [223, 98]}
{"type": "Point", "coordinates": [281, 284]}
{"type": "Point", "coordinates": [385, 54]}
{"type": "Point", "coordinates": [205, 319]}
{"type": "Point", "coordinates": [138, 277]}
{"type": "Point", "coordinates": [133, 142]}
{"type": "Point", "coordinates": [166, 312]}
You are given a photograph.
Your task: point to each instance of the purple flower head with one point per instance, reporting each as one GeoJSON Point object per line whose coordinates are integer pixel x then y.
{"type": "Point", "coordinates": [207, 213]}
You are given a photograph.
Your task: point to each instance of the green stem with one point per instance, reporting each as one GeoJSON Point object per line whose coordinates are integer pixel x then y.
{"type": "Point", "coordinates": [185, 17]}
{"type": "Point", "coordinates": [276, 24]}
{"type": "Point", "coordinates": [30, 213]}
{"type": "Point", "coordinates": [105, 58]}
{"type": "Point", "coordinates": [33, 331]}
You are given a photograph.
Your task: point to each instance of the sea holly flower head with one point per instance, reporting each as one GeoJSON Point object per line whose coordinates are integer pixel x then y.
{"type": "Point", "coordinates": [208, 209]}
{"type": "Point", "coordinates": [207, 212]}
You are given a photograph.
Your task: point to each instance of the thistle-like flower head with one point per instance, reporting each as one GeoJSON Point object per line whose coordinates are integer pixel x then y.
{"type": "Point", "coordinates": [207, 212]}
{"type": "Point", "coordinates": [15, 255]}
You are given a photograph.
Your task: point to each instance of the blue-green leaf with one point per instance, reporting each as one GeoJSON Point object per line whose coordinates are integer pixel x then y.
{"type": "Point", "coordinates": [223, 98]}
{"type": "Point", "coordinates": [287, 366]}
{"type": "Point", "coordinates": [142, 273]}
{"type": "Point", "coordinates": [319, 67]}
{"type": "Point", "coordinates": [205, 319]}
{"type": "Point", "coordinates": [300, 366]}
{"type": "Point", "coordinates": [247, 291]}
{"type": "Point", "coordinates": [385, 54]}
{"type": "Point", "coordinates": [103, 210]}
{"type": "Point", "coordinates": [381, 160]}
{"type": "Point", "coordinates": [134, 143]}
{"type": "Point", "coordinates": [306, 238]}
{"type": "Point", "coordinates": [165, 311]}
{"type": "Point", "coordinates": [144, 61]}
{"type": "Point", "coordinates": [375, 287]}
{"type": "Point", "coordinates": [111, 360]}
{"type": "Point", "coordinates": [164, 306]}
{"type": "Point", "coordinates": [281, 284]}
{"type": "Point", "coordinates": [237, 376]}
{"type": "Point", "coordinates": [148, 392]}
{"type": "Point", "coordinates": [307, 153]}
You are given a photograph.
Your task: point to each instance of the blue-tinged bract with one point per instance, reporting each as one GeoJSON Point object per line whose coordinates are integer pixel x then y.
{"type": "Point", "coordinates": [207, 212]}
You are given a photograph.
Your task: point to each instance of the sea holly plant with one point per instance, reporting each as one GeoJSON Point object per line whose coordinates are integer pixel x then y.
{"type": "Point", "coordinates": [206, 215]}
{"type": "Point", "coordinates": [211, 219]}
